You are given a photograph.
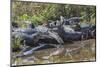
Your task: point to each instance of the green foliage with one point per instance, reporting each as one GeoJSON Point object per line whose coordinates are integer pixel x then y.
{"type": "Point", "coordinates": [37, 18]}
{"type": "Point", "coordinates": [16, 43]}
{"type": "Point", "coordinates": [40, 12]}
{"type": "Point", "coordinates": [24, 17]}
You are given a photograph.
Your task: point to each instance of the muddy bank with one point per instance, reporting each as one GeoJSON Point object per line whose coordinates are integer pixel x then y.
{"type": "Point", "coordinates": [86, 53]}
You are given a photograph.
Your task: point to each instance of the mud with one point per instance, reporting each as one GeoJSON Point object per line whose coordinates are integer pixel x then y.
{"type": "Point", "coordinates": [85, 53]}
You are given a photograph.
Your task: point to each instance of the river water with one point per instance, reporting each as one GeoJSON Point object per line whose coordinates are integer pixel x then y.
{"type": "Point", "coordinates": [52, 55]}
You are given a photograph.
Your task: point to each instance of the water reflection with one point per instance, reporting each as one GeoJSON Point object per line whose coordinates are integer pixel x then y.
{"type": "Point", "coordinates": [59, 55]}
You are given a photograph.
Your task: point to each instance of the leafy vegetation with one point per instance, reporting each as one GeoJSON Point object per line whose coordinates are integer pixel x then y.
{"type": "Point", "coordinates": [41, 12]}
{"type": "Point", "coordinates": [16, 43]}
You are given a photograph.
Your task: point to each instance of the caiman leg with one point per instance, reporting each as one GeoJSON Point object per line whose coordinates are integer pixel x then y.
{"type": "Point", "coordinates": [56, 37]}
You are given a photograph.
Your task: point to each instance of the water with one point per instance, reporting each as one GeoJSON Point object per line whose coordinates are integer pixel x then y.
{"type": "Point", "coordinates": [87, 53]}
